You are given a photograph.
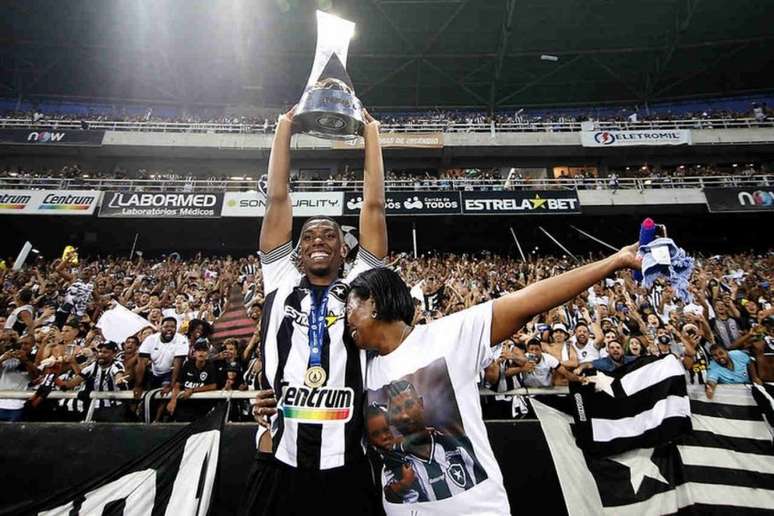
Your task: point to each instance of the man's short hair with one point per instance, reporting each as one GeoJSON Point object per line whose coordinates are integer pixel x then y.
{"type": "Point", "coordinates": [25, 295]}
{"type": "Point", "coordinates": [398, 387]}
{"type": "Point", "coordinates": [109, 344]}
{"type": "Point", "coordinates": [72, 322]}
{"type": "Point", "coordinates": [375, 410]}
{"type": "Point", "coordinates": [717, 345]}
{"type": "Point", "coordinates": [169, 318]}
{"type": "Point", "coordinates": [390, 294]}
{"type": "Point", "coordinates": [308, 222]}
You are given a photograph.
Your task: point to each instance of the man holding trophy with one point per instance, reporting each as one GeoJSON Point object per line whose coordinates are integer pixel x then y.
{"type": "Point", "coordinates": [311, 456]}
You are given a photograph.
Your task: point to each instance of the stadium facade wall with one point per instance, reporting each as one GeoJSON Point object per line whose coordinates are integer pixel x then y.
{"type": "Point", "coordinates": [641, 198]}
{"type": "Point", "coordinates": [262, 142]}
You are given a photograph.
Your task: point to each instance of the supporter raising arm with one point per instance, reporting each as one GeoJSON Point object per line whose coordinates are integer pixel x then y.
{"type": "Point", "coordinates": [511, 312]}
{"type": "Point", "coordinates": [373, 223]}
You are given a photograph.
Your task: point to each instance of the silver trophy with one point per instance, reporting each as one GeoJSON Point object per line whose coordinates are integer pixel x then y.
{"type": "Point", "coordinates": [329, 108]}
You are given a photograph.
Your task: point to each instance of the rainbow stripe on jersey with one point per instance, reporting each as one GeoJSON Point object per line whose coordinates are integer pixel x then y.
{"type": "Point", "coordinates": [322, 405]}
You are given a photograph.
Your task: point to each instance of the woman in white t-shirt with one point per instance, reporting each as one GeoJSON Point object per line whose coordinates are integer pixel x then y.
{"type": "Point", "coordinates": [425, 378]}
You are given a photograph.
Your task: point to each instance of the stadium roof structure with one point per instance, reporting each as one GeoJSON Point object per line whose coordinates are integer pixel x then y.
{"type": "Point", "coordinates": [410, 54]}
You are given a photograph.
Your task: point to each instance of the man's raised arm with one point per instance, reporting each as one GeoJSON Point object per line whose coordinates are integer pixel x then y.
{"type": "Point", "coordinates": [511, 312]}
{"type": "Point", "coordinates": [373, 224]}
{"type": "Point", "coordinates": [277, 223]}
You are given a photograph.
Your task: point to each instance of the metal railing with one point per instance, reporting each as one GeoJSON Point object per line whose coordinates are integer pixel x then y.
{"type": "Point", "coordinates": [422, 184]}
{"type": "Point", "coordinates": [737, 394]}
{"type": "Point", "coordinates": [148, 397]}
{"type": "Point", "coordinates": [418, 126]}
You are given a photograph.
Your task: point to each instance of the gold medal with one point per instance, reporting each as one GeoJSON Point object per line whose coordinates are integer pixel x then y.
{"type": "Point", "coordinates": [315, 377]}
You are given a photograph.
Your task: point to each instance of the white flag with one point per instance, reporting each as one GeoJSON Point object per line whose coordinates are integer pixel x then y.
{"type": "Point", "coordinates": [119, 322]}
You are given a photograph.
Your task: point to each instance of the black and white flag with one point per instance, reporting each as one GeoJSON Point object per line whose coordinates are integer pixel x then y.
{"type": "Point", "coordinates": [175, 478]}
{"type": "Point", "coordinates": [725, 465]}
{"type": "Point", "coordinates": [764, 396]}
{"type": "Point", "coordinates": [640, 404]}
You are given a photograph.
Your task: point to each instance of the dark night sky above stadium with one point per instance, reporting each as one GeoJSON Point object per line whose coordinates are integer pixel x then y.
{"type": "Point", "coordinates": [406, 53]}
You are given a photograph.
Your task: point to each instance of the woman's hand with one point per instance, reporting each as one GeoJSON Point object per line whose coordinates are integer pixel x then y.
{"type": "Point", "coordinates": [627, 257]}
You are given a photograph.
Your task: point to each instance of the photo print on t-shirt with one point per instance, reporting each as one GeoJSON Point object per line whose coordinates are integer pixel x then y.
{"type": "Point", "coordinates": [414, 426]}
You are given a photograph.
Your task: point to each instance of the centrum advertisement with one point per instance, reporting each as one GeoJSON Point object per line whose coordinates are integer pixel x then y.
{"type": "Point", "coordinates": [164, 205]}
{"type": "Point", "coordinates": [48, 202]}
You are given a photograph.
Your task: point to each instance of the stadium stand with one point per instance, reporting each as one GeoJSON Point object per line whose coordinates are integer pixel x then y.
{"type": "Point", "coordinates": [732, 305]}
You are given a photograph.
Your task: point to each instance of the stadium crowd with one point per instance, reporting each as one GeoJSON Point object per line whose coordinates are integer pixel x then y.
{"type": "Point", "coordinates": [438, 119]}
{"type": "Point", "coordinates": [76, 175]}
{"type": "Point", "coordinates": [55, 314]}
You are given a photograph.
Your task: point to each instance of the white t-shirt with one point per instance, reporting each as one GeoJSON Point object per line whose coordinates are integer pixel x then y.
{"type": "Point", "coordinates": [436, 370]}
{"type": "Point", "coordinates": [542, 375]}
{"type": "Point", "coordinates": [163, 354]}
{"type": "Point", "coordinates": [587, 353]}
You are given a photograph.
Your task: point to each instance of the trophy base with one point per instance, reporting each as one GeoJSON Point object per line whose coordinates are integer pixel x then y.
{"type": "Point", "coordinates": [330, 114]}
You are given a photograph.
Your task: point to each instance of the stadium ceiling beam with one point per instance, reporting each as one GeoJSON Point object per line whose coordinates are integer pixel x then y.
{"type": "Point", "coordinates": [639, 94]}
{"type": "Point", "coordinates": [529, 53]}
{"type": "Point", "coordinates": [417, 2]}
{"type": "Point", "coordinates": [704, 69]}
{"type": "Point", "coordinates": [420, 56]}
{"type": "Point", "coordinates": [476, 71]}
{"type": "Point", "coordinates": [456, 81]}
{"type": "Point", "coordinates": [418, 83]}
{"type": "Point", "coordinates": [443, 28]}
{"type": "Point", "coordinates": [11, 88]}
{"type": "Point", "coordinates": [540, 79]}
{"type": "Point", "coordinates": [386, 78]}
{"type": "Point", "coordinates": [378, 6]}
{"type": "Point", "coordinates": [682, 22]}
{"type": "Point", "coordinates": [43, 73]}
{"type": "Point", "coordinates": [12, 48]}
{"type": "Point", "coordinates": [502, 48]}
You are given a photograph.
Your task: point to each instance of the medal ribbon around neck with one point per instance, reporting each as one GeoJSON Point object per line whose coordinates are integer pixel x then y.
{"type": "Point", "coordinates": [315, 374]}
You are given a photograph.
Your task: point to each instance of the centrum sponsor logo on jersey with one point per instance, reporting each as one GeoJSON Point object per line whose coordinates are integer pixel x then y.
{"type": "Point", "coordinates": [14, 202]}
{"type": "Point", "coordinates": [120, 200]}
{"type": "Point", "coordinates": [537, 203]}
{"type": "Point", "coordinates": [326, 404]}
{"type": "Point", "coordinates": [67, 202]}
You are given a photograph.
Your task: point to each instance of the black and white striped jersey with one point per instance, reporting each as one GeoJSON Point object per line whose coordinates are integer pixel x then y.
{"type": "Point", "coordinates": [315, 428]}
{"type": "Point", "coordinates": [103, 379]}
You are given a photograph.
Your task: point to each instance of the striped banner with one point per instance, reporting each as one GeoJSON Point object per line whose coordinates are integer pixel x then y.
{"type": "Point", "coordinates": [233, 322]}
{"type": "Point", "coordinates": [640, 404]}
{"type": "Point", "coordinates": [725, 465]}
